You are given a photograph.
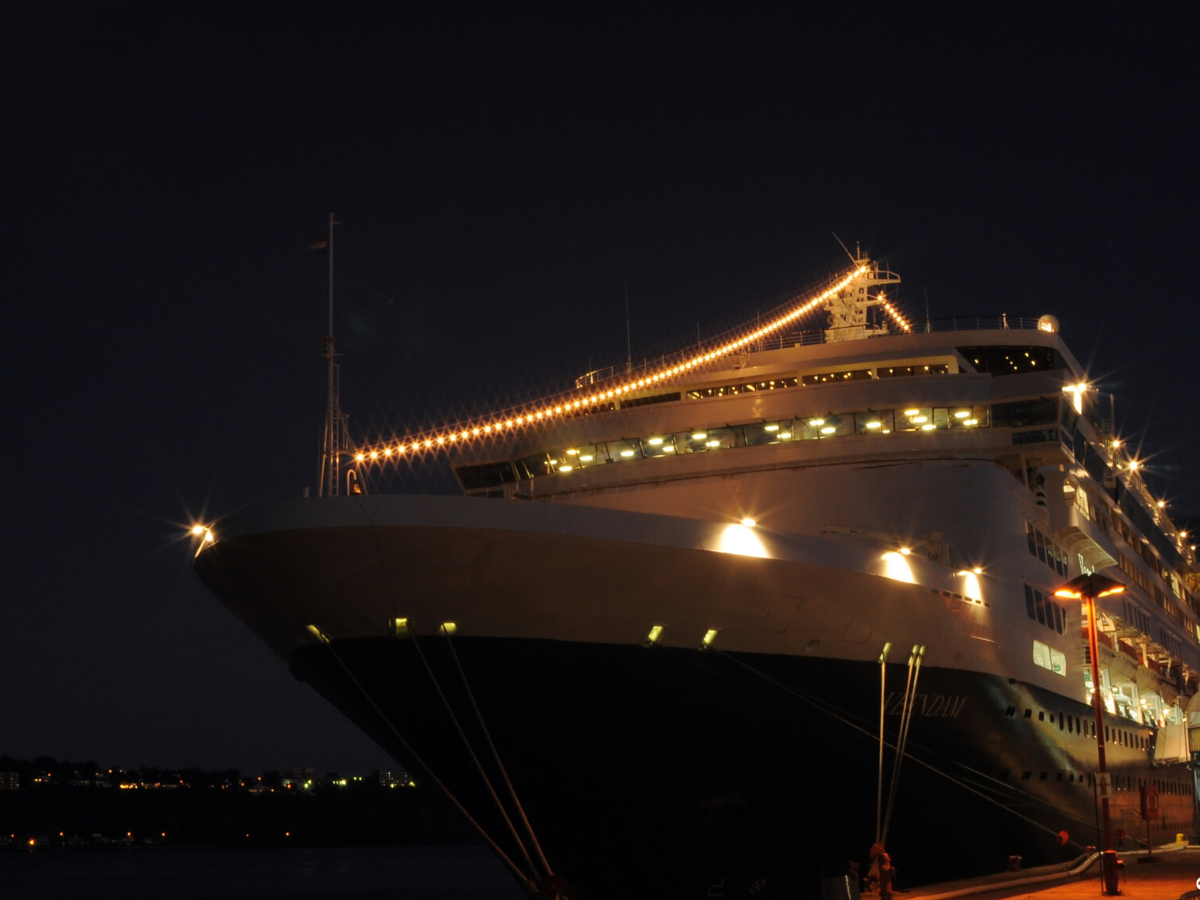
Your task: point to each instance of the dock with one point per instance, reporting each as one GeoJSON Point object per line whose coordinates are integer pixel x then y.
{"type": "Point", "coordinates": [1175, 875]}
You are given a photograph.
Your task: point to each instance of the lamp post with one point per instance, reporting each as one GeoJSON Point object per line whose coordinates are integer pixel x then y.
{"type": "Point", "coordinates": [1087, 588]}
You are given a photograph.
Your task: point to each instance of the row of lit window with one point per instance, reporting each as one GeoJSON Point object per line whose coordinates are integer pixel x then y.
{"type": "Point", "coordinates": [1044, 610]}
{"type": "Point", "coordinates": [913, 419]}
{"type": "Point", "coordinates": [1046, 550]}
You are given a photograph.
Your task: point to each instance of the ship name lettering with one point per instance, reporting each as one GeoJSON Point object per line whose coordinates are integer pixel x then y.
{"type": "Point", "coordinates": [933, 706]}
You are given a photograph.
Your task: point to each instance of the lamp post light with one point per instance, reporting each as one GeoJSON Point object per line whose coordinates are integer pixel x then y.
{"type": "Point", "coordinates": [1087, 588]}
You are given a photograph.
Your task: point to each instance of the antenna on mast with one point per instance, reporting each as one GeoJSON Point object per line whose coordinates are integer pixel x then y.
{"type": "Point", "coordinates": [847, 249]}
{"type": "Point", "coordinates": [628, 344]}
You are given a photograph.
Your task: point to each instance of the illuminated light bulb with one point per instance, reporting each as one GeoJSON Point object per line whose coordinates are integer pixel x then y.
{"type": "Point", "coordinates": [971, 422]}
{"type": "Point", "coordinates": [627, 453]}
{"type": "Point", "coordinates": [887, 431]}
{"type": "Point", "coordinates": [415, 447]}
{"type": "Point", "coordinates": [572, 452]}
{"type": "Point", "coordinates": [387, 451]}
{"type": "Point", "coordinates": [654, 442]}
{"type": "Point", "coordinates": [977, 570]}
{"type": "Point", "coordinates": [816, 422]}
{"type": "Point", "coordinates": [929, 426]}
{"type": "Point", "coordinates": [539, 415]}
{"type": "Point", "coordinates": [565, 468]}
{"type": "Point", "coordinates": [440, 440]}
{"type": "Point", "coordinates": [874, 424]}
{"type": "Point", "coordinates": [400, 449]}
{"type": "Point", "coordinates": [961, 414]}
{"type": "Point", "coordinates": [828, 429]}
{"type": "Point", "coordinates": [197, 530]}
{"type": "Point", "coordinates": [374, 454]}
{"type": "Point", "coordinates": [1162, 503]}
{"type": "Point", "coordinates": [1116, 443]}
{"type": "Point", "coordinates": [428, 443]}
{"type": "Point", "coordinates": [712, 443]}
{"type": "Point", "coordinates": [699, 435]}
{"type": "Point", "coordinates": [785, 434]}
{"type": "Point", "coordinates": [668, 449]}
{"type": "Point", "coordinates": [770, 428]}
{"type": "Point", "coordinates": [920, 419]}
{"type": "Point", "coordinates": [487, 429]}
{"type": "Point", "coordinates": [359, 457]}
{"type": "Point", "coordinates": [905, 551]}
{"type": "Point", "coordinates": [748, 522]}
{"type": "Point", "coordinates": [208, 536]}
{"type": "Point", "coordinates": [912, 412]}
{"type": "Point", "coordinates": [1133, 465]}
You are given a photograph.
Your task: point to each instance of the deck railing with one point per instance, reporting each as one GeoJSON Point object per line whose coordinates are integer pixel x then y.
{"type": "Point", "coordinates": [807, 338]}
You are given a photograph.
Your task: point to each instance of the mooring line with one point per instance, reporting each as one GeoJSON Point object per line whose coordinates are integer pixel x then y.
{"type": "Point", "coordinates": [852, 725]}
{"type": "Point", "coordinates": [499, 764]}
{"type": "Point", "coordinates": [522, 878]}
{"type": "Point", "coordinates": [474, 759]}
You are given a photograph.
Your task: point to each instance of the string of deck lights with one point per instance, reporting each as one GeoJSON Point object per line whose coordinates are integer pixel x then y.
{"type": "Point", "coordinates": [432, 441]}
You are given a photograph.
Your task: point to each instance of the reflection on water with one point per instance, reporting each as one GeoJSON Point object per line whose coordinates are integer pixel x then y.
{"type": "Point", "coordinates": [403, 873]}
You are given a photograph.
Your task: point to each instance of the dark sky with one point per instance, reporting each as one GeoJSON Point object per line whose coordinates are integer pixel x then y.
{"type": "Point", "coordinates": [503, 171]}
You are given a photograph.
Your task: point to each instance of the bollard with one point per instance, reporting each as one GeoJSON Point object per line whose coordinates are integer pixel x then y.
{"type": "Point", "coordinates": [1108, 864]}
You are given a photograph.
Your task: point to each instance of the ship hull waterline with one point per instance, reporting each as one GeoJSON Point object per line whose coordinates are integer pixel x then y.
{"type": "Point", "coordinates": [662, 768]}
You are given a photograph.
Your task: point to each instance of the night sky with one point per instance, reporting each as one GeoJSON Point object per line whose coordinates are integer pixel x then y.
{"type": "Point", "coordinates": [504, 172]}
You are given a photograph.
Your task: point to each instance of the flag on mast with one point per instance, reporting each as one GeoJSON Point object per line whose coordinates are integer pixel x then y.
{"type": "Point", "coordinates": [318, 246]}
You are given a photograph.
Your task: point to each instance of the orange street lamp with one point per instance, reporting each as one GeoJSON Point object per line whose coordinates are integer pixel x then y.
{"type": "Point", "coordinates": [1087, 588]}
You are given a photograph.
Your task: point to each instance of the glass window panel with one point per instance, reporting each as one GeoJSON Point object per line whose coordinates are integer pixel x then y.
{"type": "Point", "coordinates": [1029, 536]}
{"type": "Point", "coordinates": [872, 422]}
{"type": "Point", "coordinates": [658, 445]}
{"type": "Point", "coordinates": [913, 418]}
{"type": "Point", "coordinates": [1058, 662]}
{"type": "Point", "coordinates": [941, 418]}
{"type": "Point", "coordinates": [586, 455]}
{"type": "Point", "coordinates": [534, 466]}
{"type": "Point", "coordinates": [725, 438]}
{"type": "Point", "coordinates": [767, 432]}
{"type": "Point", "coordinates": [620, 451]}
{"type": "Point", "coordinates": [1029, 602]}
{"type": "Point", "coordinates": [1039, 606]}
{"type": "Point", "coordinates": [691, 441]}
{"type": "Point", "coordinates": [1041, 654]}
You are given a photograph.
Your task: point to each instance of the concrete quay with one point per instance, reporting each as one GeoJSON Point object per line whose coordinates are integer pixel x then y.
{"type": "Point", "coordinates": [1173, 877]}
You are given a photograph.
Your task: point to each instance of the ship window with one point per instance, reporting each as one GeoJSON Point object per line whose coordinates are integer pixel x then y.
{"type": "Point", "coordinates": [1039, 606]}
{"type": "Point", "coordinates": [1070, 725]}
{"type": "Point", "coordinates": [1012, 360]}
{"type": "Point", "coordinates": [1028, 712]}
{"type": "Point", "coordinates": [1041, 545]}
{"type": "Point", "coordinates": [534, 466]}
{"type": "Point", "coordinates": [487, 475]}
{"type": "Point", "coordinates": [658, 445]}
{"type": "Point", "coordinates": [1029, 529]}
{"type": "Point", "coordinates": [969, 416]}
{"type": "Point", "coordinates": [1041, 712]}
{"type": "Point", "coordinates": [915, 418]}
{"type": "Point", "coordinates": [834, 377]}
{"type": "Point", "coordinates": [872, 422]}
{"type": "Point", "coordinates": [647, 401]}
{"type": "Point", "coordinates": [1025, 413]}
{"type": "Point", "coordinates": [1029, 607]}
{"type": "Point", "coordinates": [768, 433]}
{"type": "Point", "coordinates": [621, 451]}
{"type": "Point", "coordinates": [1042, 777]}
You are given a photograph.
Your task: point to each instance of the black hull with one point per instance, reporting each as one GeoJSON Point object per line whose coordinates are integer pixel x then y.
{"type": "Point", "coordinates": [658, 772]}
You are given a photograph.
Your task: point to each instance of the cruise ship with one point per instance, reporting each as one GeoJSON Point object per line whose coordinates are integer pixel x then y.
{"type": "Point", "coordinates": [710, 624]}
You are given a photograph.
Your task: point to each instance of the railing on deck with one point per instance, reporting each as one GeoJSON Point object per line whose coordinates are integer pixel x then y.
{"type": "Point", "coordinates": [806, 339]}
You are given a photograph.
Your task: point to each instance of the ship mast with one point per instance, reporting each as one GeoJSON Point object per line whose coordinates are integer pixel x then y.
{"type": "Point", "coordinates": [327, 482]}
{"type": "Point", "coordinates": [848, 308]}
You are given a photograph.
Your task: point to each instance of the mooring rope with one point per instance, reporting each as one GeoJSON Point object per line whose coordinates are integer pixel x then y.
{"type": "Point", "coordinates": [474, 759]}
{"type": "Point", "coordinates": [970, 788]}
{"type": "Point", "coordinates": [499, 764]}
{"type": "Point", "coordinates": [522, 878]}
